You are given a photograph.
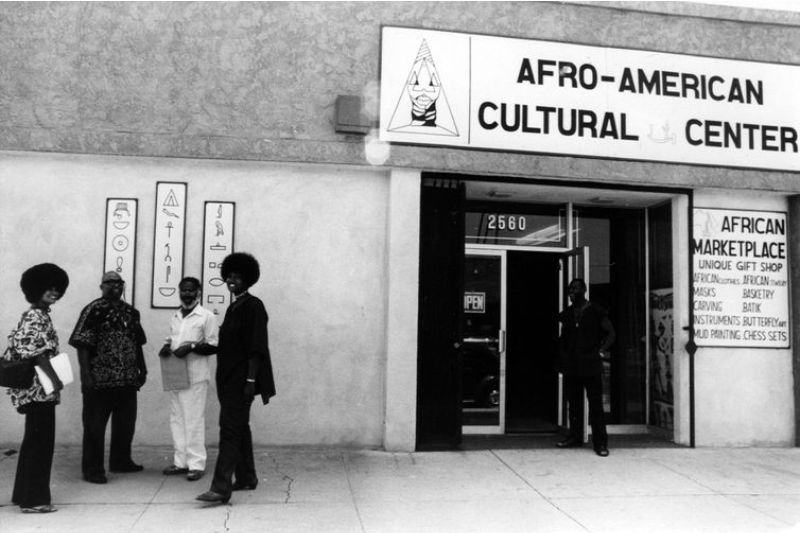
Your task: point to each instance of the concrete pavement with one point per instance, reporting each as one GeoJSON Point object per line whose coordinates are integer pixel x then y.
{"type": "Point", "coordinates": [650, 490]}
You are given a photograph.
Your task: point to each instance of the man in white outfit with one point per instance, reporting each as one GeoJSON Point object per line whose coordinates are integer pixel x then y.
{"type": "Point", "coordinates": [193, 336]}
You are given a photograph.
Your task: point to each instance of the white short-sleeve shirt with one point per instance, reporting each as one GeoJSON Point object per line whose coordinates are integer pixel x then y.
{"type": "Point", "coordinates": [198, 326]}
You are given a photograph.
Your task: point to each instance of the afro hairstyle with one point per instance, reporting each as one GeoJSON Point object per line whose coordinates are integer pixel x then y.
{"type": "Point", "coordinates": [243, 264]}
{"type": "Point", "coordinates": [38, 279]}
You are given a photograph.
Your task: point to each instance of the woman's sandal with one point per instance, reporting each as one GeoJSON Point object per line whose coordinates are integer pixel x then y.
{"type": "Point", "coordinates": [39, 509]}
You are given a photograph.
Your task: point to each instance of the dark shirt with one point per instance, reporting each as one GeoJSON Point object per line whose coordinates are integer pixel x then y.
{"type": "Point", "coordinates": [112, 333]}
{"type": "Point", "coordinates": [583, 335]}
{"type": "Point", "coordinates": [243, 337]}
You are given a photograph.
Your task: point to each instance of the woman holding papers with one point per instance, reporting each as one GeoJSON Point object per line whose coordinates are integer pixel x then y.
{"type": "Point", "coordinates": [35, 339]}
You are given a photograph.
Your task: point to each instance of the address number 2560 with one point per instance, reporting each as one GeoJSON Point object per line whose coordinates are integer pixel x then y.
{"type": "Point", "coordinates": [507, 222]}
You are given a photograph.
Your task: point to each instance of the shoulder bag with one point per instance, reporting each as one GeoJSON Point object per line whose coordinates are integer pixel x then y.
{"type": "Point", "coordinates": [16, 373]}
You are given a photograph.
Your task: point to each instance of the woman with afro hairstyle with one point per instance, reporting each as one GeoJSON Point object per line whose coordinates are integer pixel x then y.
{"type": "Point", "coordinates": [244, 369]}
{"type": "Point", "coordinates": [35, 339]}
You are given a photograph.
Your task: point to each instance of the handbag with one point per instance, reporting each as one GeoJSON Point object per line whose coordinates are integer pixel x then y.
{"type": "Point", "coordinates": [16, 374]}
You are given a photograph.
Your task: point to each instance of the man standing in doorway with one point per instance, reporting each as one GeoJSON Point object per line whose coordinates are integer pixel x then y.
{"type": "Point", "coordinates": [192, 337]}
{"type": "Point", "coordinates": [586, 335]}
{"type": "Point", "coordinates": [109, 340]}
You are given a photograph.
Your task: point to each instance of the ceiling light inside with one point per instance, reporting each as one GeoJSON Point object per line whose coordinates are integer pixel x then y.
{"type": "Point", "coordinates": [499, 194]}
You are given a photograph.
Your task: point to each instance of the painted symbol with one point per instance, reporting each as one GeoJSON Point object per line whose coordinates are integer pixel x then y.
{"type": "Point", "coordinates": [120, 243]}
{"type": "Point", "coordinates": [220, 229]}
{"type": "Point", "coordinates": [169, 271]}
{"type": "Point", "coordinates": [169, 213]}
{"type": "Point", "coordinates": [423, 107]}
{"type": "Point", "coordinates": [218, 247]}
{"type": "Point", "coordinates": [219, 211]}
{"type": "Point", "coordinates": [216, 299]}
{"type": "Point", "coordinates": [216, 282]}
{"type": "Point", "coordinates": [119, 264]}
{"type": "Point", "coordinates": [667, 136]}
{"type": "Point", "coordinates": [169, 227]}
{"type": "Point", "coordinates": [167, 291]}
{"type": "Point", "coordinates": [171, 200]}
{"type": "Point", "coordinates": [167, 257]}
{"type": "Point", "coordinates": [212, 264]}
{"type": "Point", "coordinates": [121, 224]}
{"type": "Point", "coordinates": [121, 207]}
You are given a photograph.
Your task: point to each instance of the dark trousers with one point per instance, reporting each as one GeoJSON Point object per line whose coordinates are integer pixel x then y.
{"type": "Point", "coordinates": [32, 483]}
{"type": "Point", "coordinates": [593, 385]}
{"type": "Point", "coordinates": [98, 406]}
{"type": "Point", "coordinates": [235, 448]}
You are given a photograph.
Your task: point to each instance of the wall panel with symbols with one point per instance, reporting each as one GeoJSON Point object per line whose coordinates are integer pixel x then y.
{"type": "Point", "coordinates": [217, 243]}
{"type": "Point", "coordinates": [169, 235]}
{"type": "Point", "coordinates": [120, 248]}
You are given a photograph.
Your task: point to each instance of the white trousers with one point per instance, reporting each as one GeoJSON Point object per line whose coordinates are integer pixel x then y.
{"type": "Point", "coordinates": [187, 420]}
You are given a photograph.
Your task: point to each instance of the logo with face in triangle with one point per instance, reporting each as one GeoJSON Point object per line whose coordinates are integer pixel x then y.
{"type": "Point", "coordinates": [423, 107]}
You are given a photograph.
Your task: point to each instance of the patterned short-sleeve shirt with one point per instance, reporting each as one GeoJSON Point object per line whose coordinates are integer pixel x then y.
{"type": "Point", "coordinates": [112, 331]}
{"type": "Point", "coordinates": [33, 336]}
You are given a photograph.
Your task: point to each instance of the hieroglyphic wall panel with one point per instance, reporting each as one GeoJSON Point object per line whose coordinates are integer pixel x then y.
{"type": "Point", "coordinates": [120, 245]}
{"type": "Point", "coordinates": [218, 232]}
{"type": "Point", "coordinates": [169, 234]}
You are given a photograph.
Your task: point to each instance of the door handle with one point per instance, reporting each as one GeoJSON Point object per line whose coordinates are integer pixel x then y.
{"type": "Point", "coordinates": [501, 338]}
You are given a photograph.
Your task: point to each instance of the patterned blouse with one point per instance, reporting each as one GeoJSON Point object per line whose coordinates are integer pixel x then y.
{"type": "Point", "coordinates": [33, 336]}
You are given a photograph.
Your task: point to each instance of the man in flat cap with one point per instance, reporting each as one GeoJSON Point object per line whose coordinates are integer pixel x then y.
{"type": "Point", "coordinates": [109, 340]}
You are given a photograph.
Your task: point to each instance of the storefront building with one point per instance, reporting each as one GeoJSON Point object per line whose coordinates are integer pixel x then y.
{"type": "Point", "coordinates": [420, 181]}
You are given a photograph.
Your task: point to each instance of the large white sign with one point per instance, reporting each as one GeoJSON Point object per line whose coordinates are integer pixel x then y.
{"type": "Point", "coordinates": [741, 283]}
{"type": "Point", "coordinates": [478, 91]}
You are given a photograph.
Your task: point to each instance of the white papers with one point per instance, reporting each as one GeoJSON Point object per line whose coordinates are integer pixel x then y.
{"type": "Point", "coordinates": [62, 368]}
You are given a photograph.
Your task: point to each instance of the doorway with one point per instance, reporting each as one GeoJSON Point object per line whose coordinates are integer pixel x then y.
{"type": "Point", "coordinates": [531, 376]}
{"type": "Point", "coordinates": [512, 300]}
{"type": "Point", "coordinates": [519, 248]}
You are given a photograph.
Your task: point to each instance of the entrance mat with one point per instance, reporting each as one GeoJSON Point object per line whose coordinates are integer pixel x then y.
{"type": "Point", "coordinates": [548, 440]}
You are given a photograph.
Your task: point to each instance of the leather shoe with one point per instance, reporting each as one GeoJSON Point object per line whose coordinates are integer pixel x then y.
{"type": "Point", "coordinates": [213, 497]}
{"type": "Point", "coordinates": [173, 470]}
{"type": "Point", "coordinates": [602, 451]}
{"type": "Point", "coordinates": [99, 479]}
{"type": "Point", "coordinates": [194, 475]}
{"type": "Point", "coordinates": [132, 467]}
{"type": "Point", "coordinates": [238, 485]}
{"type": "Point", "coordinates": [569, 442]}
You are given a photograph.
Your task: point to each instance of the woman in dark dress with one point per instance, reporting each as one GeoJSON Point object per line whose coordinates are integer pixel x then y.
{"type": "Point", "coordinates": [244, 369]}
{"type": "Point", "coordinates": [35, 339]}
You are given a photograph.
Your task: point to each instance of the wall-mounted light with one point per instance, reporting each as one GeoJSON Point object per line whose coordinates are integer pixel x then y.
{"type": "Point", "coordinates": [349, 115]}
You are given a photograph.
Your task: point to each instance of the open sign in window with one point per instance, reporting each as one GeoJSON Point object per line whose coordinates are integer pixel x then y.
{"type": "Point", "coordinates": [475, 302]}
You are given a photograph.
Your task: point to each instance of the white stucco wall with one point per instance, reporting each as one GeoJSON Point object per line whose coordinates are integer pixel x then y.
{"type": "Point", "coordinates": [743, 396]}
{"type": "Point", "coordinates": [319, 233]}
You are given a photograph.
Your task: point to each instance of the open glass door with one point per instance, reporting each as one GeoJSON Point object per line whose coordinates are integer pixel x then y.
{"type": "Point", "coordinates": [572, 264]}
{"type": "Point", "coordinates": [483, 348]}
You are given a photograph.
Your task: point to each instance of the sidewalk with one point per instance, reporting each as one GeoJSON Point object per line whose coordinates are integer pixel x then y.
{"type": "Point", "coordinates": [650, 490]}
